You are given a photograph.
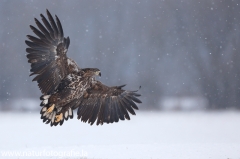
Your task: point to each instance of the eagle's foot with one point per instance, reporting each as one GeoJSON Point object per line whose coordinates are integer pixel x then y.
{"type": "Point", "coordinates": [58, 117]}
{"type": "Point", "coordinates": [50, 109]}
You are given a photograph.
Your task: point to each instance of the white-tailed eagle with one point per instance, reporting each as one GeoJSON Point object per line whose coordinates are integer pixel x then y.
{"type": "Point", "coordinates": [65, 86]}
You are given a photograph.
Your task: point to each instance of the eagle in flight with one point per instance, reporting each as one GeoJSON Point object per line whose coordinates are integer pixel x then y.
{"type": "Point", "coordinates": [65, 86]}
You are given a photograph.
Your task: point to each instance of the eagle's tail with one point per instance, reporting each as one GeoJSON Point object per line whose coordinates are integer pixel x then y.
{"type": "Point", "coordinates": [47, 115]}
{"type": "Point", "coordinates": [51, 114]}
{"type": "Point", "coordinates": [48, 111]}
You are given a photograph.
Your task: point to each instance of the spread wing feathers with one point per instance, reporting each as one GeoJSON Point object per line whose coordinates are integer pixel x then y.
{"type": "Point", "coordinates": [107, 104]}
{"type": "Point", "coordinates": [47, 54]}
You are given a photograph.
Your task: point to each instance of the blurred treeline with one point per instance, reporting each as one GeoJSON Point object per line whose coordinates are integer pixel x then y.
{"type": "Point", "coordinates": [169, 47]}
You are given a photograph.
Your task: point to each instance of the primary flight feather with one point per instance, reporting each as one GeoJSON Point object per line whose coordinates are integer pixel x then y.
{"type": "Point", "coordinates": [66, 87]}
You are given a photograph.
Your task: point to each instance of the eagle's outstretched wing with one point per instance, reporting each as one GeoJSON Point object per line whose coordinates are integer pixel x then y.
{"type": "Point", "coordinates": [107, 104]}
{"type": "Point", "coordinates": [47, 54]}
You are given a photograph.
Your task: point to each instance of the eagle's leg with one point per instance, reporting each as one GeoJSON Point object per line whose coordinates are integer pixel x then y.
{"type": "Point", "coordinates": [58, 117]}
{"type": "Point", "coordinates": [51, 108]}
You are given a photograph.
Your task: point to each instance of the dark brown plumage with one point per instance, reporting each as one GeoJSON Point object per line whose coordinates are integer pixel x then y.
{"type": "Point", "coordinates": [66, 87]}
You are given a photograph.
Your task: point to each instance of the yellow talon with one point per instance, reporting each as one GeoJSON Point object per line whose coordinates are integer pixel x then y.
{"type": "Point", "coordinates": [58, 117]}
{"type": "Point", "coordinates": [50, 109]}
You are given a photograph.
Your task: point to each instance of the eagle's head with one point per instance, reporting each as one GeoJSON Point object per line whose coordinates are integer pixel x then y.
{"type": "Point", "coordinates": [89, 72]}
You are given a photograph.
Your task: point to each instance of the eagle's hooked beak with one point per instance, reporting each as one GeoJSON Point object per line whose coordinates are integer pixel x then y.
{"type": "Point", "coordinates": [98, 73]}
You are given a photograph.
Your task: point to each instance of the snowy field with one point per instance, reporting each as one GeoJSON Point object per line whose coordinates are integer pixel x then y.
{"type": "Point", "coordinates": [149, 135]}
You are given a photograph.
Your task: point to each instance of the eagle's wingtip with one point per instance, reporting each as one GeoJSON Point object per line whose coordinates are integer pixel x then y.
{"type": "Point", "coordinates": [48, 13]}
{"type": "Point", "coordinates": [120, 87]}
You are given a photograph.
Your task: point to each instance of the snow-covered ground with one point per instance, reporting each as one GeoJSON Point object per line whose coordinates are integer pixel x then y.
{"type": "Point", "coordinates": [149, 135]}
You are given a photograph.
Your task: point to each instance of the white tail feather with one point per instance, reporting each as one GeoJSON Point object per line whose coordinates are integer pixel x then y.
{"type": "Point", "coordinates": [53, 116]}
{"type": "Point", "coordinates": [66, 114]}
{"type": "Point", "coordinates": [50, 117]}
{"type": "Point", "coordinates": [44, 114]}
{"type": "Point", "coordinates": [45, 97]}
{"type": "Point", "coordinates": [70, 112]}
{"type": "Point", "coordinates": [48, 114]}
{"type": "Point", "coordinates": [43, 109]}
{"type": "Point", "coordinates": [45, 102]}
